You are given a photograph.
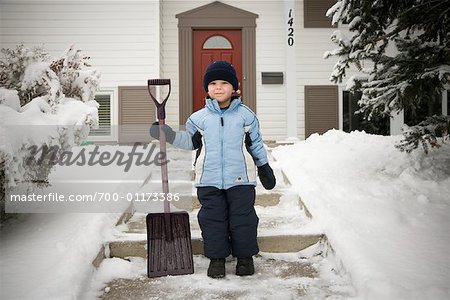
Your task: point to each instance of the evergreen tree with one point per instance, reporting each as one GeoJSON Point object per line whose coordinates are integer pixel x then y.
{"type": "Point", "coordinates": [407, 45]}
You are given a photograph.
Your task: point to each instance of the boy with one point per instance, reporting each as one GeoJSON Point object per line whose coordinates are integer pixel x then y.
{"type": "Point", "coordinates": [229, 144]}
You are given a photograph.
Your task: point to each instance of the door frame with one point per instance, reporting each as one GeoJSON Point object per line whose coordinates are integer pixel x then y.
{"type": "Point", "coordinates": [215, 16]}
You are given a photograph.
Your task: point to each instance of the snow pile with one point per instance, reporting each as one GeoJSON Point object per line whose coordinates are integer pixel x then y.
{"type": "Point", "coordinates": [48, 256]}
{"type": "Point", "coordinates": [43, 101]}
{"type": "Point", "coordinates": [384, 211]}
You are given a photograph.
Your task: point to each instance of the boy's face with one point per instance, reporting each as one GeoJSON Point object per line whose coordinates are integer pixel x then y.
{"type": "Point", "coordinates": [220, 90]}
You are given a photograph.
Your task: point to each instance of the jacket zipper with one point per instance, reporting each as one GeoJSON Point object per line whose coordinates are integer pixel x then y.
{"type": "Point", "coordinates": [221, 150]}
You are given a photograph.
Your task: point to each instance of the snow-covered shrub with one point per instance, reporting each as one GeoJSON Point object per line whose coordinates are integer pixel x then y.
{"type": "Point", "coordinates": [44, 102]}
{"type": "Point", "coordinates": [32, 72]}
{"type": "Point", "coordinates": [13, 69]}
{"type": "Point", "coordinates": [76, 82]}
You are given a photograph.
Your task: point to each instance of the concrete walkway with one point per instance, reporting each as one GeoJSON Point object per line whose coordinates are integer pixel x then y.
{"type": "Point", "coordinates": [296, 261]}
{"type": "Point", "coordinates": [274, 279]}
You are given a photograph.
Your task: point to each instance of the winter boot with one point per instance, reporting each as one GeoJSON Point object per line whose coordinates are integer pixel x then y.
{"type": "Point", "coordinates": [216, 268]}
{"type": "Point", "coordinates": [245, 267]}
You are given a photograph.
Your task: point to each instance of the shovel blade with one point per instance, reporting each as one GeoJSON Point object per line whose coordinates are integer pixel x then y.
{"type": "Point", "coordinates": [169, 245]}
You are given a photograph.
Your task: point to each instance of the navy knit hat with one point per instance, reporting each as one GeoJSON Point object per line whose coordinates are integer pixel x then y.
{"type": "Point", "coordinates": [220, 70]}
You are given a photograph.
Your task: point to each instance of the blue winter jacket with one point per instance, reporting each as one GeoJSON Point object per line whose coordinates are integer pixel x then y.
{"type": "Point", "coordinates": [224, 160]}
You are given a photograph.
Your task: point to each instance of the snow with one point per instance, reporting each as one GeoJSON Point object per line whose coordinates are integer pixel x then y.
{"type": "Point", "coordinates": [335, 12]}
{"type": "Point", "coordinates": [60, 108]}
{"type": "Point", "coordinates": [351, 82]}
{"type": "Point", "coordinates": [271, 280]}
{"type": "Point", "coordinates": [340, 38]}
{"type": "Point", "coordinates": [355, 21]}
{"type": "Point", "coordinates": [9, 98]}
{"type": "Point", "coordinates": [43, 256]}
{"type": "Point", "coordinates": [384, 212]}
{"type": "Point", "coordinates": [35, 124]}
{"type": "Point", "coordinates": [442, 71]}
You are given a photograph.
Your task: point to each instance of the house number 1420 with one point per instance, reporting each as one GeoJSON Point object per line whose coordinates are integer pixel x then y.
{"type": "Point", "coordinates": [290, 22]}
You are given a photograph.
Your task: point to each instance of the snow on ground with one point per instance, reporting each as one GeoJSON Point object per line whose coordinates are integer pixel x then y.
{"type": "Point", "coordinates": [385, 213]}
{"type": "Point", "coordinates": [276, 277]}
{"type": "Point", "coordinates": [48, 256]}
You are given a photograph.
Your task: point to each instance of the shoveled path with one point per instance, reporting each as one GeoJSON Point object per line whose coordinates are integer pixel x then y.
{"type": "Point", "coordinates": [296, 261]}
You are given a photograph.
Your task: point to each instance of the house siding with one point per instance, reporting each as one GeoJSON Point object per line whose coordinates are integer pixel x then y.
{"type": "Point", "coordinates": [120, 37]}
{"type": "Point", "coordinates": [131, 41]}
{"type": "Point", "coordinates": [312, 68]}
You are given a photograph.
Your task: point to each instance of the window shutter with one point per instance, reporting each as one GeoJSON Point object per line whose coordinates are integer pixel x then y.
{"type": "Point", "coordinates": [321, 109]}
{"type": "Point", "coordinates": [136, 114]}
{"type": "Point", "coordinates": [314, 13]}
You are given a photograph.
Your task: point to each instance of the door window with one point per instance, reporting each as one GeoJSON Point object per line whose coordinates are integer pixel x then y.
{"type": "Point", "coordinates": [217, 42]}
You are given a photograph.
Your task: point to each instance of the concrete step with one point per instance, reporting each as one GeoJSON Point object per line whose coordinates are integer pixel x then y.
{"type": "Point", "coordinates": [188, 202]}
{"type": "Point", "coordinates": [207, 288]}
{"type": "Point", "coordinates": [267, 199]}
{"type": "Point", "coordinates": [291, 233]}
{"type": "Point", "coordinates": [310, 274]}
{"type": "Point", "coordinates": [273, 244]}
{"type": "Point", "coordinates": [269, 207]}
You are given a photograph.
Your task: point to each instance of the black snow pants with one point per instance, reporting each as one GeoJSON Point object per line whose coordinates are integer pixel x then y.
{"type": "Point", "coordinates": [228, 221]}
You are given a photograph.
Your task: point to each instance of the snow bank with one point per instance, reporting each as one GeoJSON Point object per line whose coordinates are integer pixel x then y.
{"type": "Point", "coordinates": [51, 254]}
{"type": "Point", "coordinates": [384, 211]}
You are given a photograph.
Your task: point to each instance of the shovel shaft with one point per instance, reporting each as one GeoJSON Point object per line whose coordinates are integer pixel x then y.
{"type": "Point", "coordinates": [164, 174]}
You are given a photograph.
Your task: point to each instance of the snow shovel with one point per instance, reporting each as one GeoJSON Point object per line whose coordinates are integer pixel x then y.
{"type": "Point", "coordinates": [169, 248]}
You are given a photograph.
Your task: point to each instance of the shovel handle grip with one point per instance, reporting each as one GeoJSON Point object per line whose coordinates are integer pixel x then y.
{"type": "Point", "coordinates": [160, 106]}
{"type": "Point", "coordinates": [158, 81]}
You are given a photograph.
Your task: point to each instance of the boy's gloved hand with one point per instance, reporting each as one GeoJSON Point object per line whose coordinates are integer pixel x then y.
{"type": "Point", "coordinates": [170, 134]}
{"type": "Point", "coordinates": [266, 176]}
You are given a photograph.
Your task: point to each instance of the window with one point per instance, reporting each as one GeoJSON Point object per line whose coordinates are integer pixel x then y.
{"type": "Point", "coordinates": [104, 116]}
{"type": "Point", "coordinates": [352, 121]}
{"type": "Point", "coordinates": [428, 107]}
{"type": "Point", "coordinates": [217, 42]}
{"type": "Point", "coordinates": [314, 13]}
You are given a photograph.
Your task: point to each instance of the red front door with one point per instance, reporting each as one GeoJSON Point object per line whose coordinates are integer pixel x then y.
{"type": "Point", "coordinates": [209, 46]}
